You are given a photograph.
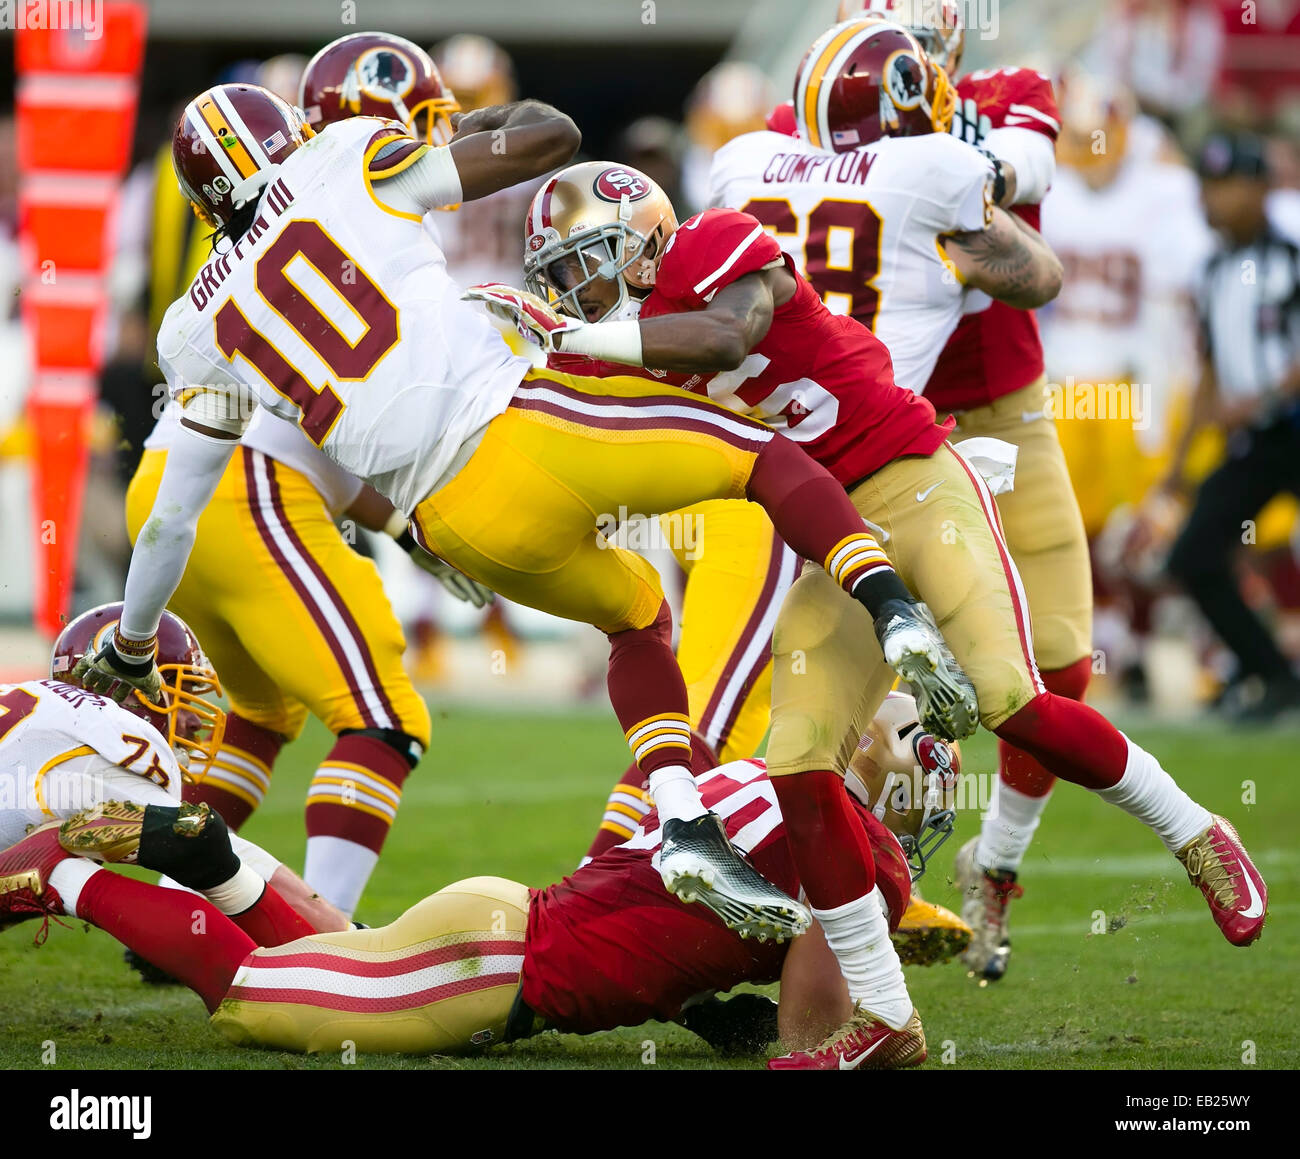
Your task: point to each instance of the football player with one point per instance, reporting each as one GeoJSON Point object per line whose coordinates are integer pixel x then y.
{"type": "Point", "coordinates": [990, 375]}
{"type": "Point", "coordinates": [66, 751]}
{"type": "Point", "coordinates": [721, 310]}
{"type": "Point", "coordinates": [488, 960]}
{"type": "Point", "coordinates": [330, 305]}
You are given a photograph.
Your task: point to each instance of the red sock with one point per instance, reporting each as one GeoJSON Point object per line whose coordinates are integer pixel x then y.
{"type": "Point", "coordinates": [649, 695]}
{"type": "Point", "coordinates": [816, 518]}
{"type": "Point", "coordinates": [1020, 770]}
{"type": "Point", "coordinates": [239, 777]}
{"type": "Point", "coordinates": [827, 839]}
{"type": "Point", "coordinates": [356, 791]}
{"type": "Point", "coordinates": [632, 792]}
{"type": "Point", "coordinates": [272, 921]}
{"type": "Point", "coordinates": [175, 930]}
{"type": "Point", "coordinates": [1070, 740]}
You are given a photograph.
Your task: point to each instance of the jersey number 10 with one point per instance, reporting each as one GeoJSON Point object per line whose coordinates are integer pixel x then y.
{"type": "Point", "coordinates": [349, 361]}
{"type": "Point", "coordinates": [854, 282]}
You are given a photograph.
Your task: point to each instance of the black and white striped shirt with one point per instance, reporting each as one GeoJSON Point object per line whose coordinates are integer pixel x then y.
{"type": "Point", "coordinates": [1249, 305]}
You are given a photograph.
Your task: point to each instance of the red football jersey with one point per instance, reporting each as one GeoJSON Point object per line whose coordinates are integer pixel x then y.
{"type": "Point", "coordinates": [821, 379]}
{"type": "Point", "coordinates": [609, 946]}
{"type": "Point", "coordinates": [997, 350]}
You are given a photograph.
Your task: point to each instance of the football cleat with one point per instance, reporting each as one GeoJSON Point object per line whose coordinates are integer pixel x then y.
{"type": "Point", "coordinates": [735, 1026]}
{"type": "Point", "coordinates": [928, 934]}
{"type": "Point", "coordinates": [698, 863]}
{"type": "Point", "coordinates": [862, 1043]}
{"type": "Point", "coordinates": [25, 889]}
{"type": "Point", "coordinates": [986, 896]}
{"type": "Point", "coordinates": [1219, 866]}
{"type": "Point", "coordinates": [111, 830]}
{"type": "Point", "coordinates": [945, 697]}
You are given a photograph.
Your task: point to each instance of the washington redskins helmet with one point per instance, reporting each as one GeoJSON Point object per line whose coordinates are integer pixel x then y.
{"type": "Point", "coordinates": [596, 220]}
{"type": "Point", "coordinates": [869, 78]}
{"type": "Point", "coordinates": [1095, 117]}
{"type": "Point", "coordinates": [229, 144]}
{"type": "Point", "coordinates": [185, 714]}
{"type": "Point", "coordinates": [732, 98]}
{"type": "Point", "coordinates": [936, 24]}
{"type": "Point", "coordinates": [478, 69]}
{"type": "Point", "coordinates": [375, 74]}
{"type": "Point", "coordinates": [906, 778]}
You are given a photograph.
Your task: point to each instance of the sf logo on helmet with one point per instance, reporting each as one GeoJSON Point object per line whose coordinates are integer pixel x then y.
{"type": "Point", "coordinates": [614, 183]}
{"type": "Point", "coordinates": [904, 80]}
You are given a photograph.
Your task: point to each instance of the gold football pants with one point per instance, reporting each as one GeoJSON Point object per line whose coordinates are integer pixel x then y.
{"type": "Point", "coordinates": [293, 619]}
{"type": "Point", "coordinates": [441, 979]}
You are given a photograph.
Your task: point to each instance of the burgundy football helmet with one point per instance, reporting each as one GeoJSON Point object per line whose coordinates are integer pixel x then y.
{"type": "Point", "coordinates": [186, 715]}
{"type": "Point", "coordinates": [869, 78]}
{"type": "Point", "coordinates": [228, 144]}
{"type": "Point", "coordinates": [937, 24]}
{"type": "Point", "coordinates": [374, 74]}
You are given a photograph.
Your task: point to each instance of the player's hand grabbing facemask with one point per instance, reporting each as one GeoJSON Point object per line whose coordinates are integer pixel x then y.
{"type": "Point", "coordinates": [535, 320]}
{"type": "Point", "coordinates": [110, 673]}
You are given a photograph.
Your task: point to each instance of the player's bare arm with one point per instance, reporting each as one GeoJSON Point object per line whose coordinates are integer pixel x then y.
{"type": "Point", "coordinates": [1008, 261]}
{"type": "Point", "coordinates": [721, 336]}
{"type": "Point", "coordinates": [814, 996]}
{"type": "Point", "coordinates": [502, 145]}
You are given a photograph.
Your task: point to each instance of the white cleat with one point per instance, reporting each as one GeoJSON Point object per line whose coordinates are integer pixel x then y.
{"type": "Point", "coordinates": [914, 648]}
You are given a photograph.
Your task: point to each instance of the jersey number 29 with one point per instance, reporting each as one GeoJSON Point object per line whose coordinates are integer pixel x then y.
{"type": "Point", "coordinates": [349, 361]}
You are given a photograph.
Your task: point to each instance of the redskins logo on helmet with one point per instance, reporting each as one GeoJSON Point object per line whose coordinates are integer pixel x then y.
{"type": "Point", "coordinates": [906, 778]}
{"type": "Point", "coordinates": [375, 74]}
{"type": "Point", "coordinates": [185, 713]}
{"type": "Point", "coordinates": [869, 78]}
{"type": "Point", "coordinates": [936, 24]}
{"type": "Point", "coordinates": [595, 221]}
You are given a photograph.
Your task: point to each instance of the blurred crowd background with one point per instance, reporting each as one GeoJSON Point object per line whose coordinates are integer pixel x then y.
{"type": "Point", "coordinates": [661, 86]}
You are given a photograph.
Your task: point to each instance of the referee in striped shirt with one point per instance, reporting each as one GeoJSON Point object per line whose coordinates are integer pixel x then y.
{"type": "Point", "coordinates": [1249, 306]}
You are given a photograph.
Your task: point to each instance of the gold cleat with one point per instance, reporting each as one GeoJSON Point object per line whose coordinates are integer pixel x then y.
{"type": "Point", "coordinates": [111, 830]}
{"type": "Point", "coordinates": [929, 934]}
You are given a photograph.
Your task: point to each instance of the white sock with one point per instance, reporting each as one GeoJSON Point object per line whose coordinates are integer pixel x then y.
{"type": "Point", "coordinates": [69, 877]}
{"type": "Point", "coordinates": [1147, 792]}
{"type": "Point", "coordinates": [1008, 829]}
{"type": "Point", "coordinates": [858, 933]}
{"type": "Point", "coordinates": [338, 870]}
{"type": "Point", "coordinates": [238, 893]}
{"type": "Point", "coordinates": [676, 794]}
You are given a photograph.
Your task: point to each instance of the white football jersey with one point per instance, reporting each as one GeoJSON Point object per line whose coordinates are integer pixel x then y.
{"type": "Point", "coordinates": [63, 749]}
{"type": "Point", "coordinates": [282, 441]}
{"type": "Point", "coordinates": [864, 227]}
{"type": "Point", "coordinates": [1129, 250]}
{"type": "Point", "coordinates": [336, 312]}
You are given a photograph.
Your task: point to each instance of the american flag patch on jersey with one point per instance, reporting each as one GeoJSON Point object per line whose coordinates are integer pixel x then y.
{"type": "Point", "coordinates": [273, 142]}
{"type": "Point", "coordinates": [845, 137]}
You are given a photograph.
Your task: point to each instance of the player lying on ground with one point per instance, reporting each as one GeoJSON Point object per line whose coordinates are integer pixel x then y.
{"type": "Point", "coordinates": [716, 306]}
{"type": "Point", "coordinates": [507, 468]}
{"type": "Point", "coordinates": [64, 750]}
{"type": "Point", "coordinates": [488, 960]}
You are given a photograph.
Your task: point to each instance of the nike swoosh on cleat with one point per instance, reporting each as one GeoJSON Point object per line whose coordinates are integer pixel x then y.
{"type": "Point", "coordinates": [1256, 906]}
{"type": "Point", "coordinates": [922, 496]}
{"type": "Point", "coordinates": [854, 1063]}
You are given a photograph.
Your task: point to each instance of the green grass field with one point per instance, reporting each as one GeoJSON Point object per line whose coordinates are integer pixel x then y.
{"type": "Point", "coordinates": [519, 796]}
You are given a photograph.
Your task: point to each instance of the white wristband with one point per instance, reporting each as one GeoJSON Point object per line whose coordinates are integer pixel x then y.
{"type": "Point", "coordinates": [396, 524]}
{"type": "Point", "coordinates": [611, 341]}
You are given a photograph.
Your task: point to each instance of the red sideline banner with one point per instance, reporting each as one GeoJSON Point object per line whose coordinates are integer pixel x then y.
{"type": "Point", "coordinates": [78, 67]}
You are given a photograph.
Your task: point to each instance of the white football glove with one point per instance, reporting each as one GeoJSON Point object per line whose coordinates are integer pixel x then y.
{"type": "Point", "coordinates": [460, 585]}
{"type": "Point", "coordinates": [536, 321]}
{"type": "Point", "coordinates": [114, 675]}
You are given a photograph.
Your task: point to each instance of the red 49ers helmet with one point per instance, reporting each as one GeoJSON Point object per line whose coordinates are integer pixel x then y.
{"type": "Point", "coordinates": [228, 144]}
{"type": "Point", "coordinates": [869, 78]}
{"type": "Point", "coordinates": [937, 24]}
{"type": "Point", "coordinates": [374, 74]}
{"type": "Point", "coordinates": [185, 714]}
